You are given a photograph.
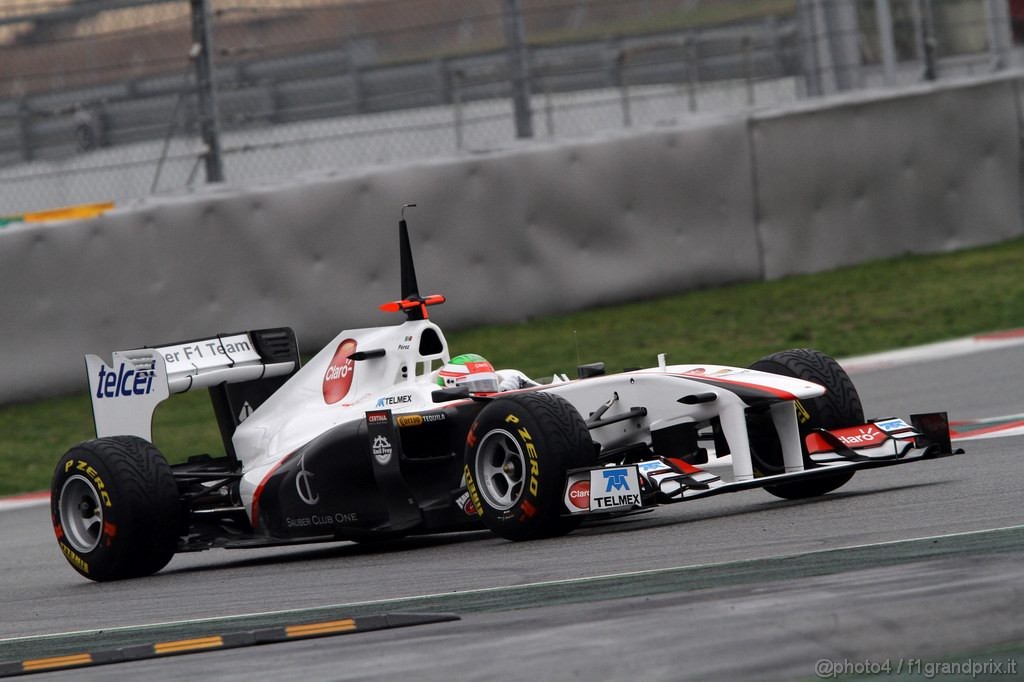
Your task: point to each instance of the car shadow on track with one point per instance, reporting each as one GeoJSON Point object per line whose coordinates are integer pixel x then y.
{"type": "Point", "coordinates": [329, 550]}
{"type": "Point", "coordinates": [418, 543]}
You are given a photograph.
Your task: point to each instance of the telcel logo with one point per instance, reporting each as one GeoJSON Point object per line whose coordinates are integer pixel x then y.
{"type": "Point", "coordinates": [124, 382]}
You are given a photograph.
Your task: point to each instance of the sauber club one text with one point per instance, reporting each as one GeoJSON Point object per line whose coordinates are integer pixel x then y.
{"type": "Point", "coordinates": [325, 520]}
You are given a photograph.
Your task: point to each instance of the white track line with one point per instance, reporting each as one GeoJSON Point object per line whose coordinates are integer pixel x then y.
{"type": "Point", "coordinates": [967, 345]}
{"type": "Point", "coordinates": [24, 500]}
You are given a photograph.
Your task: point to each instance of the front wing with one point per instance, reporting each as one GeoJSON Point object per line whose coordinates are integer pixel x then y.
{"type": "Point", "coordinates": [625, 488]}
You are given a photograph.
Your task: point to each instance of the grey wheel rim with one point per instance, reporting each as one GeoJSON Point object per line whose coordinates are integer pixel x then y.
{"type": "Point", "coordinates": [81, 513]}
{"type": "Point", "coordinates": [500, 469]}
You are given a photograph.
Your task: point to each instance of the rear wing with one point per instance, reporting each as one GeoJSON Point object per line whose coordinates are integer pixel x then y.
{"type": "Point", "coordinates": [241, 370]}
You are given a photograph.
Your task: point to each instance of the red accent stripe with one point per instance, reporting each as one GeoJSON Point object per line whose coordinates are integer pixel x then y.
{"type": "Point", "coordinates": [995, 428]}
{"type": "Point", "coordinates": [995, 336]}
{"type": "Point", "coordinates": [27, 497]}
{"type": "Point", "coordinates": [816, 444]}
{"type": "Point", "coordinates": [259, 491]}
{"type": "Point", "coordinates": [685, 467]}
{"type": "Point", "coordinates": [777, 392]}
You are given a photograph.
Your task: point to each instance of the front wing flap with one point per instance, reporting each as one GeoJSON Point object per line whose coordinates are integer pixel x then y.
{"type": "Point", "coordinates": [891, 441]}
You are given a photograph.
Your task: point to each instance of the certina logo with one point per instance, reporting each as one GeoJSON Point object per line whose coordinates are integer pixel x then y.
{"type": "Point", "coordinates": [124, 382]}
{"type": "Point", "coordinates": [377, 417]}
{"type": "Point", "coordinates": [304, 484]}
{"type": "Point", "coordinates": [338, 377]}
{"type": "Point", "coordinates": [381, 450]}
{"type": "Point", "coordinates": [394, 400]}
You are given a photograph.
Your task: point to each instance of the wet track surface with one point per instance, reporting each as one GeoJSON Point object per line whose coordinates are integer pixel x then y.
{"type": "Point", "coordinates": [755, 589]}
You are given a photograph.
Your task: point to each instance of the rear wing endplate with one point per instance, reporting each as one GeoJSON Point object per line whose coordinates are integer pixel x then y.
{"type": "Point", "coordinates": [125, 393]}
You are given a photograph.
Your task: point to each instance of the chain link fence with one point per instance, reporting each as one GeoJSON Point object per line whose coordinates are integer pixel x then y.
{"type": "Point", "coordinates": [114, 100]}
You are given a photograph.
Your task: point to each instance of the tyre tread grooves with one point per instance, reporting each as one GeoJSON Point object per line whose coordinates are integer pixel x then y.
{"type": "Point", "coordinates": [840, 406]}
{"type": "Point", "coordinates": [145, 492]}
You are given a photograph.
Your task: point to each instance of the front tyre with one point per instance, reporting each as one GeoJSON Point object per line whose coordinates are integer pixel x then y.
{"type": "Point", "coordinates": [839, 406]}
{"type": "Point", "coordinates": [115, 508]}
{"type": "Point", "coordinates": [517, 453]}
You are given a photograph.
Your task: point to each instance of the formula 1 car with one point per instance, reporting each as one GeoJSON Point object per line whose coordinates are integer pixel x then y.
{"type": "Point", "coordinates": [363, 443]}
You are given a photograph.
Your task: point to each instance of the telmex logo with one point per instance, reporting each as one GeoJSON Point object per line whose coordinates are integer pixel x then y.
{"type": "Point", "coordinates": [617, 480]}
{"type": "Point", "coordinates": [394, 400]}
{"type": "Point", "coordinates": [338, 377]}
{"type": "Point", "coordinates": [894, 425]}
{"type": "Point", "coordinates": [124, 382]}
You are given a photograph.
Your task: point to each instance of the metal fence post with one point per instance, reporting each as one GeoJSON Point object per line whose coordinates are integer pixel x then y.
{"type": "Point", "coordinates": [519, 68]}
{"type": "Point", "coordinates": [748, 69]}
{"type": "Point", "coordinates": [692, 71]}
{"type": "Point", "coordinates": [807, 36]}
{"type": "Point", "coordinates": [925, 36]}
{"type": "Point", "coordinates": [456, 81]}
{"type": "Point", "coordinates": [844, 42]}
{"type": "Point", "coordinates": [886, 39]}
{"type": "Point", "coordinates": [622, 66]}
{"type": "Point", "coordinates": [830, 50]}
{"type": "Point", "coordinates": [549, 110]}
{"type": "Point", "coordinates": [25, 131]}
{"type": "Point", "coordinates": [1000, 34]}
{"type": "Point", "coordinates": [209, 119]}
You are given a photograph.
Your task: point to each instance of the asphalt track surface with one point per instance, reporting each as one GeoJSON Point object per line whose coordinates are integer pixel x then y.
{"type": "Point", "coordinates": [906, 566]}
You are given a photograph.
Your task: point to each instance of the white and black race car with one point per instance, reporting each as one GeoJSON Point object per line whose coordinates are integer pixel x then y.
{"type": "Point", "coordinates": [363, 443]}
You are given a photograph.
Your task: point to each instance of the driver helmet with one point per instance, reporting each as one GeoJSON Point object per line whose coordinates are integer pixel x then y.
{"type": "Point", "coordinates": [469, 370]}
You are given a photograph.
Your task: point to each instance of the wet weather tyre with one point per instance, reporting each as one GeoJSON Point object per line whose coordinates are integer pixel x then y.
{"type": "Point", "coordinates": [517, 453]}
{"type": "Point", "coordinates": [115, 508]}
{"type": "Point", "coordinates": [840, 406]}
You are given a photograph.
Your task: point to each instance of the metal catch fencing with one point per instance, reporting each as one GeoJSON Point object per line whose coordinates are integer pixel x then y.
{"type": "Point", "coordinates": [114, 100]}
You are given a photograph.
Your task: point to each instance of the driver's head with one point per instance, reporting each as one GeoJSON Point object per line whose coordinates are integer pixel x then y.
{"type": "Point", "coordinates": [469, 370]}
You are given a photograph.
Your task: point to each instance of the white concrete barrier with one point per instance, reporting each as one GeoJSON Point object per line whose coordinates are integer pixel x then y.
{"type": "Point", "coordinates": [538, 230]}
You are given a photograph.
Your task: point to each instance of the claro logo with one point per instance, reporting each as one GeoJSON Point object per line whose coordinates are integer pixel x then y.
{"type": "Point", "coordinates": [579, 494]}
{"type": "Point", "coordinates": [338, 377]}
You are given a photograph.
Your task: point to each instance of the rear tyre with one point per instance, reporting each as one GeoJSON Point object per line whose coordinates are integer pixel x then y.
{"type": "Point", "coordinates": [839, 406]}
{"type": "Point", "coordinates": [517, 453]}
{"type": "Point", "coordinates": [115, 509]}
